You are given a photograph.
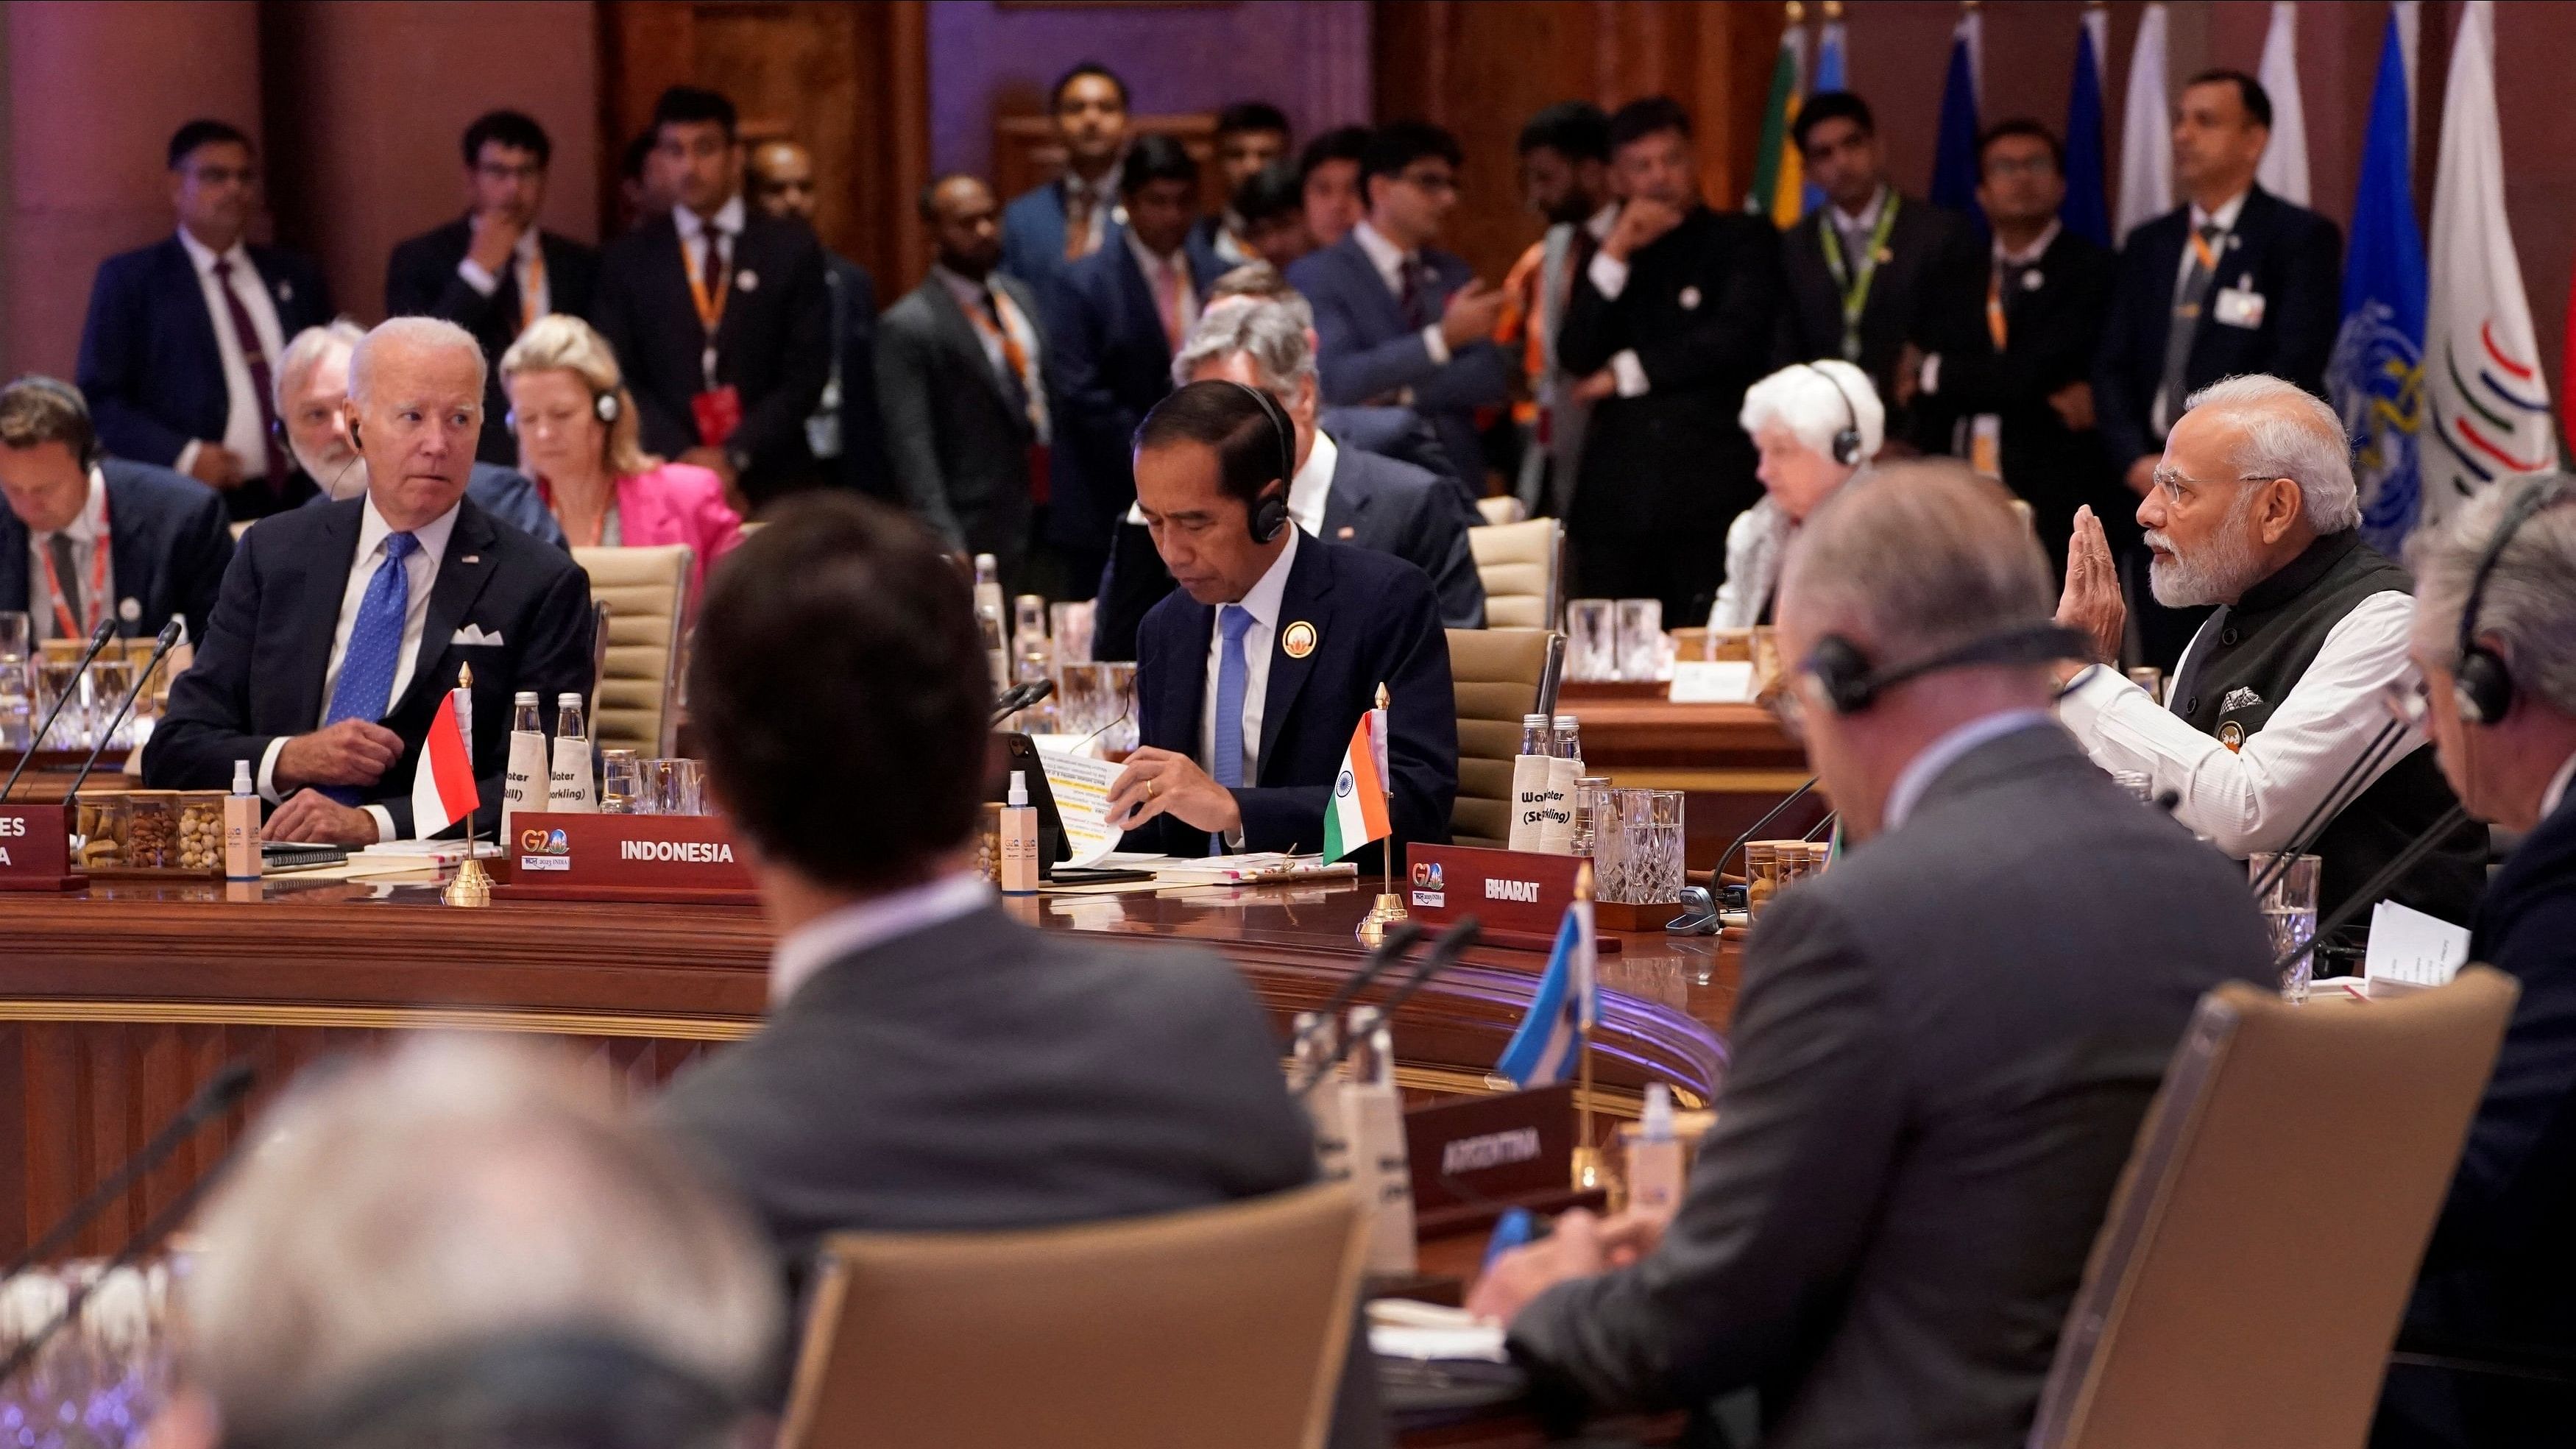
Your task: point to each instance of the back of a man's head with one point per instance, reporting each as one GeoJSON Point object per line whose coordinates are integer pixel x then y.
{"type": "Point", "coordinates": [842, 690]}
{"type": "Point", "coordinates": [437, 1206]}
{"type": "Point", "coordinates": [1912, 558]}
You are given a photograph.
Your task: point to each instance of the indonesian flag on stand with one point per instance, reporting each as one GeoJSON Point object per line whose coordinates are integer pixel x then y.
{"type": "Point", "coordinates": [1357, 813]}
{"type": "Point", "coordinates": [442, 784]}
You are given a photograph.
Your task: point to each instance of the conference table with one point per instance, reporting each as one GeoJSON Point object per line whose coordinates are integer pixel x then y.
{"type": "Point", "coordinates": [1732, 762]}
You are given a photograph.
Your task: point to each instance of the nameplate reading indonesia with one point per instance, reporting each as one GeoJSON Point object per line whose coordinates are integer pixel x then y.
{"type": "Point", "coordinates": [624, 858]}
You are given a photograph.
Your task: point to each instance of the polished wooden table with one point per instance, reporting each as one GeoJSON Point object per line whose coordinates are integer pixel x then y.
{"type": "Point", "coordinates": [1732, 761]}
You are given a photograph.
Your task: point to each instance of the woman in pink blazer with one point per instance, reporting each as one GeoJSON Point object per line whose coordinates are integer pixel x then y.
{"type": "Point", "coordinates": [578, 438]}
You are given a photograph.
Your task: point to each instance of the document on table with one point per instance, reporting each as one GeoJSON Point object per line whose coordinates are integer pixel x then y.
{"type": "Point", "coordinates": [1080, 785]}
{"type": "Point", "coordinates": [2409, 946]}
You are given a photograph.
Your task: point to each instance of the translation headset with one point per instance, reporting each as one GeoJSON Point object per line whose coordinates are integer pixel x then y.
{"type": "Point", "coordinates": [90, 452]}
{"type": "Point", "coordinates": [1269, 512]}
{"type": "Point", "coordinates": [2482, 685]}
{"type": "Point", "coordinates": [1851, 684]}
{"type": "Point", "coordinates": [1847, 442]}
{"type": "Point", "coordinates": [603, 406]}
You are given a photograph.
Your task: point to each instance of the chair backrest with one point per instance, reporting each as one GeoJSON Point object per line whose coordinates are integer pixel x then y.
{"type": "Point", "coordinates": [240, 526]}
{"type": "Point", "coordinates": [1521, 565]}
{"type": "Point", "coordinates": [647, 594]}
{"type": "Point", "coordinates": [1502, 508]}
{"type": "Point", "coordinates": [1499, 675]}
{"type": "Point", "coordinates": [2249, 1277]}
{"type": "Point", "coordinates": [1224, 1325]}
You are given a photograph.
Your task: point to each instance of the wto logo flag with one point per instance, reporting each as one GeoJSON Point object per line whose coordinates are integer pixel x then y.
{"type": "Point", "coordinates": [2376, 377]}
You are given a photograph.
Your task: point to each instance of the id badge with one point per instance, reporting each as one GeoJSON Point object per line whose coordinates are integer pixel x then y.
{"type": "Point", "coordinates": [2238, 307]}
{"type": "Point", "coordinates": [718, 411]}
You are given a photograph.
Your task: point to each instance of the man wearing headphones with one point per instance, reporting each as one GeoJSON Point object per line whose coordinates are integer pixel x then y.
{"type": "Point", "coordinates": [1251, 677]}
{"type": "Point", "coordinates": [1814, 424]}
{"type": "Point", "coordinates": [2271, 736]}
{"type": "Point", "coordinates": [2495, 640]}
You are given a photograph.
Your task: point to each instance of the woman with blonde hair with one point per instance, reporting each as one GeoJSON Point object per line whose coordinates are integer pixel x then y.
{"type": "Point", "coordinates": [578, 432]}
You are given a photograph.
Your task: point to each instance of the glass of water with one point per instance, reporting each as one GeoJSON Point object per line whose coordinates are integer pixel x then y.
{"type": "Point", "coordinates": [14, 634]}
{"type": "Point", "coordinates": [1591, 640]}
{"type": "Point", "coordinates": [621, 783]}
{"type": "Point", "coordinates": [2288, 900]}
{"type": "Point", "coordinates": [1640, 637]}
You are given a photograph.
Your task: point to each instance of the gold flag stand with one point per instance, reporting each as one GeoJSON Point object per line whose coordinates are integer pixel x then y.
{"type": "Point", "coordinates": [1390, 906]}
{"type": "Point", "coordinates": [473, 884]}
{"type": "Point", "coordinates": [1587, 1157]}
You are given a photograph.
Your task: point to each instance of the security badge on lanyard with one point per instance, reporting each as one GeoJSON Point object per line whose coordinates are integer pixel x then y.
{"type": "Point", "coordinates": [1854, 279]}
{"type": "Point", "coordinates": [717, 410]}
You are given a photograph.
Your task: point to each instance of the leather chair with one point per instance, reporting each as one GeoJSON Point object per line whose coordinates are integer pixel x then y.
{"type": "Point", "coordinates": [2250, 1275]}
{"type": "Point", "coordinates": [646, 593]}
{"type": "Point", "coordinates": [1522, 566]}
{"type": "Point", "coordinates": [1225, 1325]}
{"type": "Point", "coordinates": [1501, 508]}
{"type": "Point", "coordinates": [1500, 675]}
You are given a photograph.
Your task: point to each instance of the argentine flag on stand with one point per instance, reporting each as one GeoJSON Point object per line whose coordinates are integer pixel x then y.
{"type": "Point", "coordinates": [1543, 1052]}
{"type": "Point", "coordinates": [2377, 375]}
{"type": "Point", "coordinates": [1357, 812]}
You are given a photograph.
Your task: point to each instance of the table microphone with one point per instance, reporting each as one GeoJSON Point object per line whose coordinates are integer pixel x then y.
{"type": "Point", "coordinates": [1772, 814]}
{"type": "Point", "coordinates": [1019, 697]}
{"type": "Point", "coordinates": [2404, 861]}
{"type": "Point", "coordinates": [98, 638]}
{"type": "Point", "coordinates": [1438, 959]}
{"type": "Point", "coordinates": [2330, 805]}
{"type": "Point", "coordinates": [1398, 940]}
{"type": "Point", "coordinates": [161, 648]}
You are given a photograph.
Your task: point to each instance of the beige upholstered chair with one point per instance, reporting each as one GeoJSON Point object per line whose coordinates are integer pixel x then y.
{"type": "Point", "coordinates": [240, 527]}
{"type": "Point", "coordinates": [1500, 675]}
{"type": "Point", "coordinates": [1501, 508]}
{"type": "Point", "coordinates": [2249, 1278]}
{"type": "Point", "coordinates": [647, 594]}
{"type": "Point", "coordinates": [1226, 1325]}
{"type": "Point", "coordinates": [1521, 565]}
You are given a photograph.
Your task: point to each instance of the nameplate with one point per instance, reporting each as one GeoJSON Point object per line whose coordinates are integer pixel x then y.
{"type": "Point", "coordinates": [625, 857]}
{"type": "Point", "coordinates": [35, 848]}
{"type": "Point", "coordinates": [1713, 681]}
{"type": "Point", "coordinates": [1519, 896]}
{"type": "Point", "coordinates": [1476, 1156]}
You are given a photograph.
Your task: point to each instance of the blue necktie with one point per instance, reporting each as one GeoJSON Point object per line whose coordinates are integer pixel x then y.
{"type": "Point", "coordinates": [1227, 766]}
{"type": "Point", "coordinates": [366, 686]}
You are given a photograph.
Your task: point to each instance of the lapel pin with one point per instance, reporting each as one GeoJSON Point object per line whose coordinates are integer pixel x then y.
{"type": "Point", "coordinates": [1885, 255]}
{"type": "Point", "coordinates": [2030, 281]}
{"type": "Point", "coordinates": [1690, 299]}
{"type": "Point", "coordinates": [286, 291]}
{"type": "Point", "coordinates": [471, 558]}
{"type": "Point", "coordinates": [747, 279]}
{"type": "Point", "coordinates": [2233, 240]}
{"type": "Point", "coordinates": [1298, 641]}
{"type": "Point", "coordinates": [1345, 531]}
{"type": "Point", "coordinates": [129, 609]}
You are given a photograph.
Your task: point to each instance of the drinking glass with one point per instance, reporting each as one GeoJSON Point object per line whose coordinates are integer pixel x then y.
{"type": "Point", "coordinates": [61, 678]}
{"type": "Point", "coordinates": [1592, 640]}
{"type": "Point", "coordinates": [1664, 842]}
{"type": "Point", "coordinates": [17, 703]}
{"type": "Point", "coordinates": [675, 787]}
{"type": "Point", "coordinates": [109, 679]}
{"type": "Point", "coordinates": [14, 634]}
{"type": "Point", "coordinates": [1639, 637]}
{"type": "Point", "coordinates": [2288, 900]}
{"type": "Point", "coordinates": [1118, 738]}
{"type": "Point", "coordinates": [2136, 782]}
{"type": "Point", "coordinates": [621, 783]}
{"type": "Point", "coordinates": [1072, 623]}
{"type": "Point", "coordinates": [1587, 813]}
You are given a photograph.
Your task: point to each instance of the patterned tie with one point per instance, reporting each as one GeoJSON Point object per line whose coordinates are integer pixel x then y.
{"type": "Point", "coordinates": [366, 686]}
{"type": "Point", "coordinates": [1227, 766]}
{"type": "Point", "coordinates": [1411, 297]}
{"type": "Point", "coordinates": [67, 574]}
{"type": "Point", "coordinates": [2185, 325]}
{"type": "Point", "coordinates": [256, 359]}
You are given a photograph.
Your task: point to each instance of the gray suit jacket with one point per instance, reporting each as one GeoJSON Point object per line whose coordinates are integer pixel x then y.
{"type": "Point", "coordinates": [956, 442]}
{"type": "Point", "coordinates": [1942, 1050]}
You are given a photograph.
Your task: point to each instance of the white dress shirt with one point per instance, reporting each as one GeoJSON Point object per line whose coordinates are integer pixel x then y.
{"type": "Point", "coordinates": [2250, 800]}
{"type": "Point", "coordinates": [528, 262]}
{"type": "Point", "coordinates": [1312, 488]}
{"type": "Point", "coordinates": [1262, 602]}
{"type": "Point", "coordinates": [421, 570]}
{"type": "Point", "coordinates": [2160, 410]}
{"type": "Point", "coordinates": [86, 531]}
{"type": "Point", "coordinates": [1610, 277]}
{"type": "Point", "coordinates": [869, 923]}
{"type": "Point", "coordinates": [1390, 261]}
{"type": "Point", "coordinates": [1105, 206]}
{"type": "Point", "coordinates": [1938, 756]}
{"type": "Point", "coordinates": [243, 435]}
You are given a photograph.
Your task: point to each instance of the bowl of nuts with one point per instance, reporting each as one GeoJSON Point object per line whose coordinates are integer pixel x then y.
{"type": "Point", "coordinates": [152, 833]}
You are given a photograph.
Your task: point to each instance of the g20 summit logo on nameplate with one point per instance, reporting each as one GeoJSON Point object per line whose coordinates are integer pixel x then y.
{"type": "Point", "coordinates": [627, 857]}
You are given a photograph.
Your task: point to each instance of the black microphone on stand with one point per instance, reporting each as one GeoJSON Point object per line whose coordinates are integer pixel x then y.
{"type": "Point", "coordinates": [1019, 697]}
{"type": "Point", "coordinates": [1438, 959]}
{"type": "Point", "coordinates": [1768, 816]}
{"type": "Point", "coordinates": [2331, 804]}
{"type": "Point", "coordinates": [2404, 861]}
{"type": "Point", "coordinates": [161, 648]}
{"type": "Point", "coordinates": [98, 638]}
{"type": "Point", "coordinates": [1398, 940]}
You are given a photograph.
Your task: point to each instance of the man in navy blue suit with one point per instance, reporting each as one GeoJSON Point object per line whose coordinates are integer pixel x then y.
{"type": "Point", "coordinates": [1113, 321]}
{"type": "Point", "coordinates": [1047, 228]}
{"type": "Point", "coordinates": [176, 354]}
{"type": "Point", "coordinates": [2498, 1281]}
{"type": "Point", "coordinates": [1399, 320]}
{"type": "Point", "coordinates": [85, 536]}
{"type": "Point", "coordinates": [1250, 137]}
{"type": "Point", "coordinates": [1252, 677]}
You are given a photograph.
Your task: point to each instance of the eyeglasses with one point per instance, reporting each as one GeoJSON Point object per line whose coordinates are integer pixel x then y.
{"type": "Point", "coordinates": [1433, 181]}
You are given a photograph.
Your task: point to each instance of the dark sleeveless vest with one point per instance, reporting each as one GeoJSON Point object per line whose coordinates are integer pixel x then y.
{"type": "Point", "coordinates": [2249, 657]}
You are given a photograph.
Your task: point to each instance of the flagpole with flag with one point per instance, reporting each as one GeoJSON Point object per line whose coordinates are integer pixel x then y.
{"type": "Point", "coordinates": [443, 788]}
{"type": "Point", "coordinates": [1362, 810]}
{"type": "Point", "coordinates": [2283, 170]}
{"type": "Point", "coordinates": [1777, 189]}
{"type": "Point", "coordinates": [2087, 208]}
{"type": "Point", "coordinates": [1554, 1039]}
{"type": "Point", "coordinates": [2146, 133]}
{"type": "Point", "coordinates": [2376, 376]}
{"type": "Point", "coordinates": [1829, 76]}
{"type": "Point", "coordinates": [1954, 150]}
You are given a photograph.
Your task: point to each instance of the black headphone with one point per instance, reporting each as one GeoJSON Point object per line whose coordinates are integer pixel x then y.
{"type": "Point", "coordinates": [2482, 685]}
{"type": "Point", "coordinates": [1851, 684]}
{"type": "Point", "coordinates": [89, 451]}
{"type": "Point", "coordinates": [1847, 442]}
{"type": "Point", "coordinates": [1269, 512]}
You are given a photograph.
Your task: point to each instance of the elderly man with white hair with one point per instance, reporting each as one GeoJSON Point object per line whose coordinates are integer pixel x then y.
{"type": "Point", "coordinates": [2274, 717]}
{"type": "Point", "coordinates": [312, 393]}
{"type": "Point", "coordinates": [1813, 424]}
{"type": "Point", "coordinates": [340, 627]}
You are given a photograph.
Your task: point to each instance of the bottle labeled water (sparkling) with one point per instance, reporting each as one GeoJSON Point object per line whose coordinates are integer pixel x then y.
{"type": "Point", "coordinates": [568, 782]}
{"type": "Point", "coordinates": [524, 776]}
{"type": "Point", "coordinates": [1529, 782]}
{"type": "Point", "coordinates": [1564, 767]}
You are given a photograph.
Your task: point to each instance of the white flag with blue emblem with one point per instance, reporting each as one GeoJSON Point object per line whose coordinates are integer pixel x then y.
{"type": "Point", "coordinates": [1542, 1053]}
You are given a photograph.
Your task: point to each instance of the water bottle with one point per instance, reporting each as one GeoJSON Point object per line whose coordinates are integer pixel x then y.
{"type": "Point", "coordinates": [568, 786]}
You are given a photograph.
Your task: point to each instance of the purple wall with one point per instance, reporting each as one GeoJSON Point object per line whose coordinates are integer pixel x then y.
{"type": "Point", "coordinates": [1309, 57]}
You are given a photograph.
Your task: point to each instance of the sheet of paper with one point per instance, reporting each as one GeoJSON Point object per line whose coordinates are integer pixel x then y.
{"type": "Point", "coordinates": [1712, 681]}
{"type": "Point", "coordinates": [1403, 1329]}
{"type": "Point", "coordinates": [2410, 946]}
{"type": "Point", "coordinates": [1081, 787]}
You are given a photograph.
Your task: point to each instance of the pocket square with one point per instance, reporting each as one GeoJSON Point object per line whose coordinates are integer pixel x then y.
{"type": "Point", "coordinates": [473, 634]}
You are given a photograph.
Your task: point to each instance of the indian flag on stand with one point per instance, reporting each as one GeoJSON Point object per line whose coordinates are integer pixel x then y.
{"type": "Point", "coordinates": [1357, 814]}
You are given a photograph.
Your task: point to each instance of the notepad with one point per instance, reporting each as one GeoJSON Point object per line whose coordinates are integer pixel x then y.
{"type": "Point", "coordinates": [2410, 948]}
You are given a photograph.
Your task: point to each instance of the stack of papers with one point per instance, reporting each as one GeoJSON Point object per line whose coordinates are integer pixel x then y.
{"type": "Point", "coordinates": [1402, 1328]}
{"type": "Point", "coordinates": [2411, 949]}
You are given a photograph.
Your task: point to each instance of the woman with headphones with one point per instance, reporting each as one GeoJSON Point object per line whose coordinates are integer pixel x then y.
{"type": "Point", "coordinates": [1815, 424]}
{"type": "Point", "coordinates": [577, 431]}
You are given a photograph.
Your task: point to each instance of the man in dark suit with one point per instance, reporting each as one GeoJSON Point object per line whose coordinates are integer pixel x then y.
{"type": "Point", "coordinates": [312, 398]}
{"type": "Point", "coordinates": [1113, 321]}
{"type": "Point", "coordinates": [719, 314]}
{"type": "Point", "coordinates": [1385, 429]}
{"type": "Point", "coordinates": [2019, 392]}
{"type": "Point", "coordinates": [1944, 1045]}
{"type": "Point", "coordinates": [960, 369]}
{"type": "Point", "coordinates": [1669, 323]}
{"type": "Point", "coordinates": [1103, 1085]}
{"type": "Point", "coordinates": [1251, 679]}
{"type": "Point", "coordinates": [844, 432]}
{"type": "Point", "coordinates": [1328, 184]}
{"type": "Point", "coordinates": [85, 536]}
{"type": "Point", "coordinates": [340, 628]}
{"type": "Point", "coordinates": [176, 351]}
{"type": "Point", "coordinates": [1250, 137]}
{"type": "Point", "coordinates": [1049, 227]}
{"type": "Point", "coordinates": [1873, 269]}
{"type": "Point", "coordinates": [1398, 320]}
{"type": "Point", "coordinates": [493, 271]}
{"type": "Point", "coordinates": [2235, 281]}
{"type": "Point", "coordinates": [2498, 1281]}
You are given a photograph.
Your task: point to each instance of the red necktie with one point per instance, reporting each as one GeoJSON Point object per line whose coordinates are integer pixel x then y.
{"type": "Point", "coordinates": [256, 359]}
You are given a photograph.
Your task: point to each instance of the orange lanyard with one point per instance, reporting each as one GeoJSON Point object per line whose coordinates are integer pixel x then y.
{"type": "Point", "coordinates": [1013, 354]}
{"type": "Point", "coordinates": [711, 305]}
{"type": "Point", "coordinates": [529, 311]}
{"type": "Point", "coordinates": [2200, 251]}
{"type": "Point", "coordinates": [1995, 327]}
{"type": "Point", "coordinates": [66, 626]}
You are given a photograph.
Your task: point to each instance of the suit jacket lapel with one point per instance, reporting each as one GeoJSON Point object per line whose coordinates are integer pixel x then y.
{"type": "Point", "coordinates": [1367, 283]}
{"type": "Point", "coordinates": [200, 323]}
{"type": "Point", "coordinates": [317, 604]}
{"type": "Point", "coordinates": [957, 333]}
{"type": "Point", "coordinates": [1309, 582]}
{"type": "Point", "coordinates": [14, 577]}
{"type": "Point", "coordinates": [462, 572]}
{"type": "Point", "coordinates": [131, 547]}
{"type": "Point", "coordinates": [1188, 683]}
{"type": "Point", "coordinates": [1345, 503]}
{"type": "Point", "coordinates": [1141, 298]}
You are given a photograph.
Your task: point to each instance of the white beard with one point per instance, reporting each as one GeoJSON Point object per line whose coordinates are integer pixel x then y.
{"type": "Point", "coordinates": [2223, 571]}
{"type": "Point", "coordinates": [345, 477]}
